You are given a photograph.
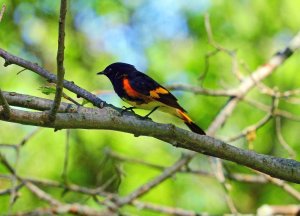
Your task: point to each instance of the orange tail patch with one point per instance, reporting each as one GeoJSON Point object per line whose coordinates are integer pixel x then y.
{"type": "Point", "coordinates": [183, 116]}
{"type": "Point", "coordinates": [188, 121]}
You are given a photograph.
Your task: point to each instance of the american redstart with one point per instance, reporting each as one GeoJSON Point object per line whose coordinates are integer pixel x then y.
{"type": "Point", "coordinates": [141, 91]}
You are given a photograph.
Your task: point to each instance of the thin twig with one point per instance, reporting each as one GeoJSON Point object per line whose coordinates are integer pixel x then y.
{"type": "Point", "coordinates": [59, 208]}
{"type": "Point", "coordinates": [217, 163]}
{"type": "Point", "coordinates": [70, 99]}
{"type": "Point", "coordinates": [287, 115]}
{"type": "Point", "coordinates": [252, 128]}
{"type": "Point", "coordinates": [266, 108]}
{"type": "Point", "coordinates": [250, 82]}
{"type": "Point", "coordinates": [165, 209]}
{"type": "Point", "coordinates": [29, 136]}
{"type": "Point", "coordinates": [199, 90]}
{"type": "Point", "coordinates": [66, 160]}
{"type": "Point", "coordinates": [250, 131]}
{"type": "Point", "coordinates": [41, 194]}
{"type": "Point", "coordinates": [64, 209]}
{"type": "Point", "coordinates": [151, 184]}
{"type": "Point", "coordinates": [7, 165]}
{"type": "Point", "coordinates": [134, 160]}
{"type": "Point", "coordinates": [14, 194]}
{"type": "Point", "coordinates": [281, 140]}
{"type": "Point", "coordinates": [285, 186]}
{"type": "Point", "coordinates": [60, 60]}
{"type": "Point", "coordinates": [56, 206]}
{"type": "Point", "coordinates": [4, 145]}
{"type": "Point", "coordinates": [9, 190]}
{"type": "Point", "coordinates": [220, 176]}
{"type": "Point", "coordinates": [13, 190]}
{"type": "Point", "coordinates": [79, 189]}
{"type": "Point", "coordinates": [11, 59]}
{"type": "Point", "coordinates": [218, 48]}
{"type": "Point", "coordinates": [288, 210]}
{"type": "Point", "coordinates": [256, 104]}
{"type": "Point", "coordinates": [24, 69]}
{"type": "Point", "coordinates": [232, 176]}
{"type": "Point", "coordinates": [206, 64]}
{"type": "Point", "coordinates": [2, 11]}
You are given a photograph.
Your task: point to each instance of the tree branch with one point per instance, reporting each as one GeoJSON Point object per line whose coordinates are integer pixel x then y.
{"type": "Point", "coordinates": [60, 60]}
{"type": "Point", "coordinates": [2, 11]}
{"type": "Point", "coordinates": [248, 83]}
{"type": "Point", "coordinates": [5, 106]}
{"type": "Point", "coordinates": [59, 208]}
{"type": "Point", "coordinates": [199, 90]}
{"type": "Point", "coordinates": [278, 210]}
{"type": "Point", "coordinates": [11, 59]}
{"type": "Point", "coordinates": [110, 119]}
{"type": "Point", "coordinates": [151, 184]}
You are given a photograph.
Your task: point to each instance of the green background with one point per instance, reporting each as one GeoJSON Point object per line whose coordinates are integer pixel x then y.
{"type": "Point", "coordinates": [167, 40]}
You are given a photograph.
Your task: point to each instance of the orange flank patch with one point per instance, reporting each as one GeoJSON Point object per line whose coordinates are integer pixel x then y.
{"type": "Point", "coordinates": [129, 90]}
{"type": "Point", "coordinates": [184, 116]}
{"type": "Point", "coordinates": [155, 93]}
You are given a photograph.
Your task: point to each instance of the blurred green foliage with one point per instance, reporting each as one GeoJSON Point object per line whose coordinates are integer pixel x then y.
{"type": "Point", "coordinates": [167, 40]}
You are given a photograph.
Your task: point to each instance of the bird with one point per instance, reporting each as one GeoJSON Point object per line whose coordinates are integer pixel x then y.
{"type": "Point", "coordinates": [141, 91]}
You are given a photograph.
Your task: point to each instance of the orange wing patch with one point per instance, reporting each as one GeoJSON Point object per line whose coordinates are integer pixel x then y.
{"type": "Point", "coordinates": [129, 90]}
{"type": "Point", "coordinates": [155, 93]}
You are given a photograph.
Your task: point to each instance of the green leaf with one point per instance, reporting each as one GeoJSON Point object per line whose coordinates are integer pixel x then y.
{"type": "Point", "coordinates": [47, 90]}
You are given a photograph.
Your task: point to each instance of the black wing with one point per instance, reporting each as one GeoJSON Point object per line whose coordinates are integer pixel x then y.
{"type": "Point", "coordinates": [150, 88]}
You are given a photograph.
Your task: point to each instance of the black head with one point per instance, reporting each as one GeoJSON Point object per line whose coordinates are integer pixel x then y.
{"type": "Point", "coordinates": [117, 68]}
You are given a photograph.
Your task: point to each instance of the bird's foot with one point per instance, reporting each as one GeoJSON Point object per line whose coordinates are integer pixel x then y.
{"type": "Point", "coordinates": [146, 117]}
{"type": "Point", "coordinates": [125, 109]}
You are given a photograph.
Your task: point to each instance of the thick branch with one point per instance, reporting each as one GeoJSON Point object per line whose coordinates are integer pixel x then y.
{"type": "Point", "coordinates": [110, 119]}
{"type": "Point", "coordinates": [282, 168]}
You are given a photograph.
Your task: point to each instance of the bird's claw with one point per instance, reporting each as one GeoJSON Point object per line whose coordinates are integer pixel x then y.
{"type": "Point", "coordinates": [125, 109]}
{"type": "Point", "coordinates": [146, 117]}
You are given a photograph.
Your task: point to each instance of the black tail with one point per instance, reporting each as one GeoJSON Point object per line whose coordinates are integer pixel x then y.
{"type": "Point", "coordinates": [188, 121]}
{"type": "Point", "coordinates": [195, 128]}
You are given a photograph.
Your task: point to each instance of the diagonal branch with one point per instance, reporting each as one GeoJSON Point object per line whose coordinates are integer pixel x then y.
{"type": "Point", "coordinates": [151, 184]}
{"type": "Point", "coordinates": [250, 82]}
{"type": "Point", "coordinates": [60, 60]}
{"type": "Point", "coordinates": [246, 85]}
{"type": "Point", "coordinates": [2, 11]}
{"type": "Point", "coordinates": [57, 207]}
{"type": "Point", "coordinates": [11, 59]}
{"type": "Point", "coordinates": [200, 90]}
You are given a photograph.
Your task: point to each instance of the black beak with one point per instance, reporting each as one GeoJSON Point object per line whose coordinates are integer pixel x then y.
{"type": "Point", "coordinates": [101, 73]}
